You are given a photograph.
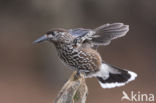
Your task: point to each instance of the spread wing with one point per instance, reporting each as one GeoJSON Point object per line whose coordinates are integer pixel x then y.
{"type": "Point", "coordinates": [108, 32]}
{"type": "Point", "coordinates": [82, 35]}
{"type": "Point", "coordinates": [79, 32]}
{"type": "Point", "coordinates": [101, 35]}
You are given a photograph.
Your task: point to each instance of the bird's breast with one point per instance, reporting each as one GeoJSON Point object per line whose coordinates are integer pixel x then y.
{"type": "Point", "coordinates": [84, 59]}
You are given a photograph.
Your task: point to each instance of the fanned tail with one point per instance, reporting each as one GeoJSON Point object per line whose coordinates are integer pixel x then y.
{"type": "Point", "coordinates": [110, 76]}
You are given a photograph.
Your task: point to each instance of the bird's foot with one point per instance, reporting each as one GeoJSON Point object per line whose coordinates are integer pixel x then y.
{"type": "Point", "coordinates": [77, 75]}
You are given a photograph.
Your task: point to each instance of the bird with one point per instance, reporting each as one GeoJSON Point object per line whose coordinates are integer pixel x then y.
{"type": "Point", "coordinates": [77, 48]}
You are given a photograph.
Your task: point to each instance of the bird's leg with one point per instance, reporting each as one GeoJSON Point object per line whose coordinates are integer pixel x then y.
{"type": "Point", "coordinates": [77, 75]}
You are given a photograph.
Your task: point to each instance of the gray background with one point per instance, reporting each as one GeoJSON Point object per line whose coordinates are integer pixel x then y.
{"type": "Point", "coordinates": [33, 73]}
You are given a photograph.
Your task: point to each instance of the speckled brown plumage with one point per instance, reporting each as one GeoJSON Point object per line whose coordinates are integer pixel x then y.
{"type": "Point", "coordinates": [78, 58]}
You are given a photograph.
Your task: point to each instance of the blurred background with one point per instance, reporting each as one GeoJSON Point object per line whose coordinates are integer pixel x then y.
{"type": "Point", "coordinates": [33, 73]}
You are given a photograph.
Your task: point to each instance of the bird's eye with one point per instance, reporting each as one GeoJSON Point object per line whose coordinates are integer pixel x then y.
{"type": "Point", "coordinates": [53, 33]}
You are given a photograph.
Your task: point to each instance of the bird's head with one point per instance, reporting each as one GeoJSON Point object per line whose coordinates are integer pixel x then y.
{"type": "Point", "coordinates": [55, 35]}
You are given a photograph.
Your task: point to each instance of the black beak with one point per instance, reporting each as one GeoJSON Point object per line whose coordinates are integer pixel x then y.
{"type": "Point", "coordinates": [41, 39]}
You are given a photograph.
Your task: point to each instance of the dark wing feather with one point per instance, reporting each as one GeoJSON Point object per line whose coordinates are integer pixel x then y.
{"type": "Point", "coordinates": [81, 35]}
{"type": "Point", "coordinates": [108, 32]}
{"type": "Point", "coordinates": [79, 32]}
